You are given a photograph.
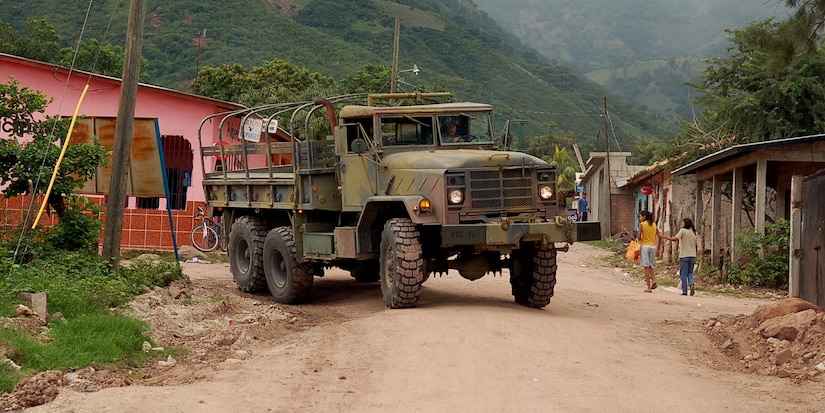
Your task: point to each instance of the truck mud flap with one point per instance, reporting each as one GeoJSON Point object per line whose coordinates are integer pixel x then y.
{"type": "Point", "coordinates": [587, 231]}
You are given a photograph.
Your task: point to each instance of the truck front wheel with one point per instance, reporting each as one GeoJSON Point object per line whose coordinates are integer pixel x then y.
{"type": "Point", "coordinates": [246, 240]}
{"type": "Point", "coordinates": [289, 281]}
{"type": "Point", "coordinates": [402, 264]}
{"type": "Point", "coordinates": [533, 275]}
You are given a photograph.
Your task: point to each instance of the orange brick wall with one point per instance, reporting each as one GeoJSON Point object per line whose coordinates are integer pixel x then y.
{"type": "Point", "coordinates": [143, 229]}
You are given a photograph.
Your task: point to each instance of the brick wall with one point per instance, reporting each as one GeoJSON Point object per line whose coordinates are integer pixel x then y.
{"type": "Point", "coordinates": [622, 214]}
{"type": "Point", "coordinates": [143, 229]}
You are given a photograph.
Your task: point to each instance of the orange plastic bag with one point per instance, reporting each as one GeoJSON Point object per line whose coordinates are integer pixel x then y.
{"type": "Point", "coordinates": [633, 250]}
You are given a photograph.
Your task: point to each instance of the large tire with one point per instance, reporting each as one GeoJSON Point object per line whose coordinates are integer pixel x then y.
{"type": "Point", "coordinates": [289, 281]}
{"type": "Point", "coordinates": [402, 264]}
{"type": "Point", "coordinates": [533, 275]}
{"type": "Point", "coordinates": [366, 271]}
{"type": "Point", "coordinates": [246, 244]}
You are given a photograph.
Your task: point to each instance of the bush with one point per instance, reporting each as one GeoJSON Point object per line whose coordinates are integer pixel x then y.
{"type": "Point", "coordinates": [768, 269]}
{"type": "Point", "coordinates": [79, 227]}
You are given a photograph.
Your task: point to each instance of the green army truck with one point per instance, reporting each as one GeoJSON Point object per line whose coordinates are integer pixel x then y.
{"type": "Point", "coordinates": [391, 193]}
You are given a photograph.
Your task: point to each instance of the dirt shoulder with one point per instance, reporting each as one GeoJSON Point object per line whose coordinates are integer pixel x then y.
{"type": "Point", "coordinates": [601, 345]}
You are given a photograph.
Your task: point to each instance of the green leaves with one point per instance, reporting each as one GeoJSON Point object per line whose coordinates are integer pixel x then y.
{"type": "Point", "coordinates": [747, 97]}
{"type": "Point", "coordinates": [273, 82]}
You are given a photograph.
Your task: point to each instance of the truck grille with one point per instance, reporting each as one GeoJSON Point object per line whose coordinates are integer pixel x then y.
{"type": "Point", "coordinates": [501, 190]}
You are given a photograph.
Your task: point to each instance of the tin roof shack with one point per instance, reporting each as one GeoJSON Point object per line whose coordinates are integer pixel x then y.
{"type": "Point", "coordinates": [611, 204]}
{"type": "Point", "coordinates": [768, 168]}
{"type": "Point", "coordinates": [172, 115]}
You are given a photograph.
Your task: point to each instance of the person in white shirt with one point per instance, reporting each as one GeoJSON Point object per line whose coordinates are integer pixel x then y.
{"type": "Point", "coordinates": [688, 250]}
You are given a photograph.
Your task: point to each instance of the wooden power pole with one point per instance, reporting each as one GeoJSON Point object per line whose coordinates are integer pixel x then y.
{"type": "Point", "coordinates": [394, 73]}
{"type": "Point", "coordinates": [124, 127]}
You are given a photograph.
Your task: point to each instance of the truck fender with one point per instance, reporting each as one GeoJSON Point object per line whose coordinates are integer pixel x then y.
{"type": "Point", "coordinates": [379, 209]}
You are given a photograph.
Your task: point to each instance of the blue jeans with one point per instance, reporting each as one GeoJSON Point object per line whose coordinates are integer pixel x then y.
{"type": "Point", "coordinates": [686, 272]}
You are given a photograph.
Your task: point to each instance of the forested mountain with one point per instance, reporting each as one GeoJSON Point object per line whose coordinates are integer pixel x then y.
{"type": "Point", "coordinates": [641, 50]}
{"type": "Point", "coordinates": [452, 42]}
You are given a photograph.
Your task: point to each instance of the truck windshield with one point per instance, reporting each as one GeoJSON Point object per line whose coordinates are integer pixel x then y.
{"type": "Point", "coordinates": [460, 128]}
{"type": "Point", "coordinates": [406, 130]}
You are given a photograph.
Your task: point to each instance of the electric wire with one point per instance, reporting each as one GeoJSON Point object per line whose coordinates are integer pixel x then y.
{"type": "Point", "coordinates": [36, 184]}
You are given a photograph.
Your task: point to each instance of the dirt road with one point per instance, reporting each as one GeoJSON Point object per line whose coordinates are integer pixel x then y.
{"type": "Point", "coordinates": [601, 345]}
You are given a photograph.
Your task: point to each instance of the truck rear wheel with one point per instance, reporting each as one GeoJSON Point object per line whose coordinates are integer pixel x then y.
{"type": "Point", "coordinates": [246, 240]}
{"type": "Point", "coordinates": [533, 275]}
{"type": "Point", "coordinates": [402, 264]}
{"type": "Point", "coordinates": [289, 281]}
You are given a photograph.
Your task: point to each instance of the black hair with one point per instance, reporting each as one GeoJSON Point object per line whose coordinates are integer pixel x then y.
{"type": "Point", "coordinates": [689, 224]}
{"type": "Point", "coordinates": [648, 216]}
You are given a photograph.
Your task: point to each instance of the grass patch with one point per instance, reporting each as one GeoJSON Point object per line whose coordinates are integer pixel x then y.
{"type": "Point", "coordinates": [82, 287]}
{"type": "Point", "coordinates": [606, 244]}
{"type": "Point", "coordinates": [101, 339]}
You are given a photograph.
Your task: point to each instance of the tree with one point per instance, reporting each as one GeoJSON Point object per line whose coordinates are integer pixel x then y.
{"type": "Point", "coordinates": [799, 34]}
{"type": "Point", "coordinates": [32, 146]}
{"type": "Point", "coordinates": [40, 42]}
{"type": "Point", "coordinates": [276, 81]}
{"type": "Point", "coordinates": [370, 79]}
{"type": "Point", "coordinates": [105, 59]}
{"type": "Point", "coordinates": [544, 145]}
{"type": "Point", "coordinates": [566, 167]}
{"type": "Point", "coordinates": [746, 99]}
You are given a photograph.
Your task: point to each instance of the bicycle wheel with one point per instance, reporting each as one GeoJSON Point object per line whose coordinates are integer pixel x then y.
{"type": "Point", "coordinates": [204, 238]}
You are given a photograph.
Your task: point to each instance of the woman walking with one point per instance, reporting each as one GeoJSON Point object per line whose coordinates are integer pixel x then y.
{"type": "Point", "coordinates": [688, 250]}
{"type": "Point", "coordinates": [648, 237]}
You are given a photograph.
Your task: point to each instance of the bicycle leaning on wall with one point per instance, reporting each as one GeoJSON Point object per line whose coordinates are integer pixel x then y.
{"type": "Point", "coordinates": [207, 235]}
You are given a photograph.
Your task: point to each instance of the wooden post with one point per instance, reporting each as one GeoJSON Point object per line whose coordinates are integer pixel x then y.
{"type": "Point", "coordinates": [715, 223]}
{"type": "Point", "coordinates": [699, 222]}
{"type": "Point", "coordinates": [795, 247]}
{"type": "Point", "coordinates": [737, 195]}
{"type": "Point", "coordinates": [124, 127]}
{"type": "Point", "coordinates": [609, 199]}
{"type": "Point", "coordinates": [396, 35]}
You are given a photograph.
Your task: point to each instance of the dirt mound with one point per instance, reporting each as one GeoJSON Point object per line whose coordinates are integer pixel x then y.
{"type": "Point", "coordinates": [784, 339]}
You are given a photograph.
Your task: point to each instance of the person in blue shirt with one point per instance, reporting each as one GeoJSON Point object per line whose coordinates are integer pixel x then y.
{"type": "Point", "coordinates": [582, 206]}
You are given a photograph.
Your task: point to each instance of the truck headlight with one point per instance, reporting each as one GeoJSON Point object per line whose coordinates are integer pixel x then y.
{"type": "Point", "coordinates": [545, 192]}
{"type": "Point", "coordinates": [456, 196]}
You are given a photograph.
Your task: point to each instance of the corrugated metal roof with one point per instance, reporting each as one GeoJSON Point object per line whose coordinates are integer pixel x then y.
{"type": "Point", "coordinates": [739, 150]}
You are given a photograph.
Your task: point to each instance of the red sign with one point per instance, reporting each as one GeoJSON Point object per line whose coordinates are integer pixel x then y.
{"type": "Point", "coordinates": [647, 188]}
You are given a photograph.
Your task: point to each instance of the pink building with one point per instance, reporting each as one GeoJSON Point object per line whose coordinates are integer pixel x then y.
{"type": "Point", "coordinates": [175, 115]}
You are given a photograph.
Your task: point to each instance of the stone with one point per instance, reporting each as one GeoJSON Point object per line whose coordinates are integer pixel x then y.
{"type": "Point", "coordinates": [38, 302]}
{"type": "Point", "coordinates": [784, 307]}
{"type": "Point", "coordinates": [148, 257]}
{"type": "Point", "coordinates": [727, 344]}
{"type": "Point", "coordinates": [187, 252]}
{"type": "Point", "coordinates": [783, 357]}
{"type": "Point", "coordinates": [788, 326]}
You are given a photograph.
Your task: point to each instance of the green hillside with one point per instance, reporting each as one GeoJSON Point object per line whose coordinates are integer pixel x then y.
{"type": "Point", "coordinates": [641, 50]}
{"type": "Point", "coordinates": [452, 42]}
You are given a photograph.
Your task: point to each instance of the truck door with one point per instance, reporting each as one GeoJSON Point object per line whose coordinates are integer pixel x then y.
{"type": "Point", "coordinates": [357, 171]}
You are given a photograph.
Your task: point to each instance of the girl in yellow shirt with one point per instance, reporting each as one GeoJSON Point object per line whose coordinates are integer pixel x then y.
{"type": "Point", "coordinates": [649, 237]}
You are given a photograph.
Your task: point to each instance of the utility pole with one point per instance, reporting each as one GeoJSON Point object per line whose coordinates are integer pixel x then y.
{"type": "Point", "coordinates": [396, 35]}
{"type": "Point", "coordinates": [124, 127]}
{"type": "Point", "coordinates": [609, 177]}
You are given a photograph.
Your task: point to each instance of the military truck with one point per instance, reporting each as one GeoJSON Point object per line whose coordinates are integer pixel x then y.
{"type": "Point", "coordinates": [390, 192]}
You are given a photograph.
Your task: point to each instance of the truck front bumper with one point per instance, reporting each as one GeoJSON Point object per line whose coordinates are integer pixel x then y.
{"type": "Point", "coordinates": [505, 232]}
